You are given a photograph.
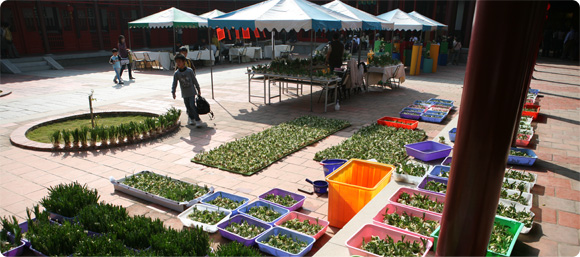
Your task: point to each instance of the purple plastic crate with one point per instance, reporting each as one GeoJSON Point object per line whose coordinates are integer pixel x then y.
{"type": "Point", "coordinates": [429, 178]}
{"type": "Point", "coordinates": [277, 191]}
{"type": "Point", "coordinates": [428, 150]}
{"type": "Point", "coordinates": [447, 161]}
{"type": "Point", "coordinates": [239, 219]}
{"type": "Point", "coordinates": [520, 160]}
{"type": "Point", "coordinates": [17, 251]}
{"type": "Point", "coordinates": [415, 115]}
{"type": "Point", "coordinates": [283, 212]}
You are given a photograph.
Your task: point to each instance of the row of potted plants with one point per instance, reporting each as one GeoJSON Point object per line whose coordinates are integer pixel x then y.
{"type": "Point", "coordinates": [104, 136]}
{"type": "Point", "coordinates": [297, 68]}
{"type": "Point", "coordinates": [432, 110]}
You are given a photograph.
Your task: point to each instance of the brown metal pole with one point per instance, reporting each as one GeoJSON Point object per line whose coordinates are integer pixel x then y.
{"type": "Point", "coordinates": [492, 95]}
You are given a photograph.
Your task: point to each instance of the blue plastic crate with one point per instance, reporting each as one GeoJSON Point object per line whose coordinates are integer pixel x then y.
{"type": "Point", "coordinates": [259, 203]}
{"type": "Point", "coordinates": [280, 230]}
{"type": "Point", "coordinates": [520, 160]}
{"type": "Point", "coordinates": [414, 109]}
{"type": "Point", "coordinates": [438, 119]}
{"type": "Point", "coordinates": [227, 195]}
{"type": "Point", "coordinates": [421, 102]}
{"type": "Point", "coordinates": [441, 101]}
{"type": "Point", "coordinates": [442, 59]}
{"type": "Point", "coordinates": [437, 169]}
{"type": "Point", "coordinates": [452, 133]}
{"type": "Point", "coordinates": [534, 91]}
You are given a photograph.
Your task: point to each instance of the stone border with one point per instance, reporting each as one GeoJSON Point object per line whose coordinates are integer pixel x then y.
{"type": "Point", "coordinates": [18, 136]}
{"type": "Point", "coordinates": [5, 94]}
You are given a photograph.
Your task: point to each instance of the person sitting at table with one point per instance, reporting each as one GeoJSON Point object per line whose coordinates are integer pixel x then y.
{"type": "Point", "coordinates": [335, 52]}
{"type": "Point", "coordinates": [239, 42]}
{"type": "Point", "coordinates": [188, 61]}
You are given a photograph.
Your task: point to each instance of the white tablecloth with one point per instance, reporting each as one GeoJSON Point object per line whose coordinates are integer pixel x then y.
{"type": "Point", "coordinates": [277, 50]}
{"type": "Point", "coordinates": [376, 74]}
{"type": "Point", "coordinates": [195, 55]}
{"type": "Point", "coordinates": [161, 57]}
{"type": "Point", "coordinates": [251, 52]}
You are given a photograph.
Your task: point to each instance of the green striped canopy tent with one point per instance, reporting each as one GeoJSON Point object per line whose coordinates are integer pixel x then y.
{"type": "Point", "coordinates": [171, 17]}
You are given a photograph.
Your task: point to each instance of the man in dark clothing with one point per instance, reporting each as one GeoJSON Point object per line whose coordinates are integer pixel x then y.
{"type": "Point", "coordinates": [335, 52]}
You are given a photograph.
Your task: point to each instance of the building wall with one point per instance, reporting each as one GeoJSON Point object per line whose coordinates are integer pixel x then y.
{"type": "Point", "coordinates": [42, 26]}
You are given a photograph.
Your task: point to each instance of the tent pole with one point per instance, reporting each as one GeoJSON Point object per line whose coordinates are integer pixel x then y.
{"type": "Point", "coordinates": [129, 32]}
{"type": "Point", "coordinates": [211, 59]}
{"type": "Point", "coordinates": [311, 71]}
{"type": "Point", "coordinates": [174, 42]}
{"type": "Point", "coordinates": [273, 45]}
{"type": "Point", "coordinates": [359, 48]}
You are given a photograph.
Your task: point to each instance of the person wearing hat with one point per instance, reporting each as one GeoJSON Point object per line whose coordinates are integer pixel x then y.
{"type": "Point", "coordinates": [188, 62]}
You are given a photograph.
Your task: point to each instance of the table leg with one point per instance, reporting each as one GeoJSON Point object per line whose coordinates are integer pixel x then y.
{"type": "Point", "coordinates": [249, 90]}
{"type": "Point", "coordinates": [325, 97]}
{"type": "Point", "coordinates": [265, 89]}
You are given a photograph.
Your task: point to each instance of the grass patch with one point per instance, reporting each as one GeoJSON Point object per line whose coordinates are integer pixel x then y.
{"type": "Point", "coordinates": [252, 153]}
{"type": "Point", "coordinates": [41, 134]}
{"type": "Point", "coordinates": [383, 143]}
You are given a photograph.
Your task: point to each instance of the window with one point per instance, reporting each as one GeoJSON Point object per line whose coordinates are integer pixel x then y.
{"type": "Point", "coordinates": [66, 20]}
{"type": "Point", "coordinates": [92, 20]}
{"type": "Point", "coordinates": [113, 20]}
{"type": "Point", "coordinates": [29, 20]}
{"type": "Point", "coordinates": [104, 21]}
{"type": "Point", "coordinates": [51, 18]}
{"type": "Point", "coordinates": [82, 20]}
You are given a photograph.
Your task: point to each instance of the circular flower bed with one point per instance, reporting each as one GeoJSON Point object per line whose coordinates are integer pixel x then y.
{"type": "Point", "coordinates": [99, 137]}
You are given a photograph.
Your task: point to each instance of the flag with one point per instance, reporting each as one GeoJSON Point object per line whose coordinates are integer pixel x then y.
{"type": "Point", "coordinates": [220, 34]}
{"type": "Point", "coordinates": [264, 33]}
{"type": "Point", "coordinates": [257, 33]}
{"type": "Point", "coordinates": [246, 33]}
{"type": "Point", "coordinates": [237, 34]}
{"type": "Point", "coordinates": [229, 35]}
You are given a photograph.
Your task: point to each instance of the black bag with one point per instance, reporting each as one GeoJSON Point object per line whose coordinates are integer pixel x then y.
{"type": "Point", "coordinates": [202, 107]}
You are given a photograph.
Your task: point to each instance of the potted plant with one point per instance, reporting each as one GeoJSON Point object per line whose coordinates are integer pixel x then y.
{"type": "Point", "coordinates": [113, 134]}
{"type": "Point", "coordinates": [410, 172]}
{"type": "Point", "coordinates": [83, 136]}
{"type": "Point", "coordinates": [76, 135]}
{"type": "Point", "coordinates": [136, 232]}
{"type": "Point", "coordinates": [11, 237]}
{"type": "Point", "coordinates": [94, 135]}
{"type": "Point", "coordinates": [104, 135]}
{"type": "Point", "coordinates": [64, 201]}
{"type": "Point", "coordinates": [187, 242]}
{"type": "Point", "coordinates": [104, 245]}
{"type": "Point", "coordinates": [101, 218]}
{"type": "Point", "coordinates": [55, 139]}
{"type": "Point", "coordinates": [235, 249]}
{"type": "Point", "coordinates": [66, 138]}
{"type": "Point", "coordinates": [122, 131]}
{"type": "Point", "coordinates": [54, 240]}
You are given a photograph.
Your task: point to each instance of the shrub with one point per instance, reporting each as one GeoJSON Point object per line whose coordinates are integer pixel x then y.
{"type": "Point", "coordinates": [187, 242]}
{"type": "Point", "coordinates": [68, 199]}
{"type": "Point", "coordinates": [102, 218]}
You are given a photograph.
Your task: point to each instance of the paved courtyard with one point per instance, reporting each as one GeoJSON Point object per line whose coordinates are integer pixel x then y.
{"type": "Point", "coordinates": [25, 175]}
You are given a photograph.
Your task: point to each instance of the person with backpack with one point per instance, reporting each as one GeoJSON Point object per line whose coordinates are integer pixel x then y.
{"type": "Point", "coordinates": [189, 89]}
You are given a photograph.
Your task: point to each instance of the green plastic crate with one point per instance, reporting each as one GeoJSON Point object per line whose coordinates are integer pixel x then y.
{"type": "Point", "coordinates": [515, 229]}
{"type": "Point", "coordinates": [444, 48]}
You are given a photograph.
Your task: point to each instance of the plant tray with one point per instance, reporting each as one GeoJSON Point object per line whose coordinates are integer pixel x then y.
{"type": "Point", "coordinates": [439, 116]}
{"type": "Point", "coordinates": [415, 108]}
{"type": "Point", "coordinates": [365, 233]}
{"type": "Point", "coordinates": [437, 169]}
{"type": "Point", "coordinates": [171, 204]}
{"type": "Point", "coordinates": [423, 103]}
{"type": "Point", "coordinates": [521, 160]}
{"type": "Point", "coordinates": [406, 178]}
{"type": "Point", "coordinates": [436, 179]}
{"type": "Point", "coordinates": [395, 122]}
{"type": "Point", "coordinates": [452, 134]}
{"type": "Point", "coordinates": [438, 101]}
{"type": "Point", "coordinates": [239, 219]}
{"type": "Point", "coordinates": [432, 196]}
{"type": "Point", "coordinates": [229, 196]}
{"type": "Point", "coordinates": [528, 186]}
{"type": "Point", "coordinates": [277, 252]}
{"type": "Point", "coordinates": [531, 183]}
{"type": "Point", "coordinates": [524, 142]}
{"type": "Point", "coordinates": [410, 114]}
{"type": "Point", "coordinates": [534, 91]}
{"type": "Point", "coordinates": [438, 109]}
{"type": "Point", "coordinates": [527, 119]}
{"type": "Point", "coordinates": [528, 196]}
{"type": "Point", "coordinates": [16, 251]}
{"type": "Point", "coordinates": [525, 229]}
{"type": "Point", "coordinates": [515, 229]}
{"type": "Point", "coordinates": [428, 150]}
{"type": "Point", "coordinates": [258, 203]}
{"type": "Point", "coordinates": [302, 217]}
{"type": "Point", "coordinates": [400, 209]}
{"type": "Point", "coordinates": [531, 113]}
{"type": "Point", "coordinates": [206, 227]}
{"type": "Point", "coordinates": [59, 218]}
{"type": "Point", "coordinates": [447, 161]}
{"type": "Point", "coordinates": [281, 192]}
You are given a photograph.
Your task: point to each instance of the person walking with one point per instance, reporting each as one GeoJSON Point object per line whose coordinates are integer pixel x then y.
{"type": "Point", "coordinates": [115, 60]}
{"type": "Point", "coordinates": [10, 50]}
{"type": "Point", "coordinates": [568, 43]}
{"type": "Point", "coordinates": [189, 89]}
{"type": "Point", "coordinates": [124, 54]}
{"type": "Point", "coordinates": [456, 51]}
{"type": "Point", "coordinates": [335, 52]}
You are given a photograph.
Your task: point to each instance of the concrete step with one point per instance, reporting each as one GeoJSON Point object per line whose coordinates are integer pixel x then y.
{"type": "Point", "coordinates": [26, 59]}
{"type": "Point", "coordinates": [30, 64]}
{"type": "Point", "coordinates": [35, 68]}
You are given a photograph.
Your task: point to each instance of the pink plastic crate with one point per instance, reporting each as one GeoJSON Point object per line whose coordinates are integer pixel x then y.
{"type": "Point", "coordinates": [368, 230]}
{"type": "Point", "coordinates": [399, 209]}
{"type": "Point", "coordinates": [303, 217]}
{"type": "Point", "coordinates": [432, 196]}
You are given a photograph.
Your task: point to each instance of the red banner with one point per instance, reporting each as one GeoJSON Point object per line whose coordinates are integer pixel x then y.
{"type": "Point", "coordinates": [229, 35]}
{"type": "Point", "coordinates": [246, 33]}
{"type": "Point", "coordinates": [264, 33]}
{"type": "Point", "coordinates": [257, 33]}
{"type": "Point", "coordinates": [220, 34]}
{"type": "Point", "coordinates": [237, 34]}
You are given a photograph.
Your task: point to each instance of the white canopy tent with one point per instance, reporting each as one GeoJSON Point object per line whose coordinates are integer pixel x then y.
{"type": "Point", "coordinates": [212, 14]}
{"type": "Point", "coordinates": [369, 21]}
{"type": "Point", "coordinates": [435, 23]}
{"type": "Point", "coordinates": [402, 20]}
{"type": "Point", "coordinates": [286, 15]}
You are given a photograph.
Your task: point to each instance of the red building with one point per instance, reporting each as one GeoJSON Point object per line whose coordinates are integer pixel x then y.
{"type": "Point", "coordinates": [59, 26]}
